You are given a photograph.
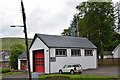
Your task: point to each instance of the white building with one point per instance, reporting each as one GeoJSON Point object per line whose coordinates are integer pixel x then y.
{"type": "Point", "coordinates": [49, 53]}
{"type": "Point", "coordinates": [116, 52]}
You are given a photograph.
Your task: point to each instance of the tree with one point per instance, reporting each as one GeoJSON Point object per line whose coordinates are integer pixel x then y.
{"type": "Point", "coordinates": [66, 32]}
{"type": "Point", "coordinates": [115, 40]}
{"type": "Point", "coordinates": [16, 50]}
{"type": "Point", "coordinates": [96, 22]}
{"type": "Point", "coordinates": [73, 29]}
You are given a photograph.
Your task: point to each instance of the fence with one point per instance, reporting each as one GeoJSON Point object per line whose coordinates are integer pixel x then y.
{"type": "Point", "coordinates": [109, 62]}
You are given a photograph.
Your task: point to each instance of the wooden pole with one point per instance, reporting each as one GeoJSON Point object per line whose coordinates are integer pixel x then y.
{"type": "Point", "coordinates": [26, 39]}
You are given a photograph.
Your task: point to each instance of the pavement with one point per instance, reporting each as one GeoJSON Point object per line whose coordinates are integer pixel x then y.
{"type": "Point", "coordinates": [101, 71]}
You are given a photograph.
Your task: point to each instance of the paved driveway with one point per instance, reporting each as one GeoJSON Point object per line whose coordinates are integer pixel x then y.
{"type": "Point", "coordinates": [103, 71]}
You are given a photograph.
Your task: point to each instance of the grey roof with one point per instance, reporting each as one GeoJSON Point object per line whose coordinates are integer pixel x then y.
{"type": "Point", "coordinates": [22, 56]}
{"type": "Point", "coordinates": [65, 41]}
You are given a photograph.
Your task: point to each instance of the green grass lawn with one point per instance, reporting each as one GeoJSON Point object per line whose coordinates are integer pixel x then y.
{"type": "Point", "coordinates": [6, 43]}
{"type": "Point", "coordinates": [75, 77]}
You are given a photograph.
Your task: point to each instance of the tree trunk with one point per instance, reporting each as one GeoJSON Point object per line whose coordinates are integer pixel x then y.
{"type": "Point", "coordinates": [101, 44]}
{"type": "Point", "coordinates": [101, 51]}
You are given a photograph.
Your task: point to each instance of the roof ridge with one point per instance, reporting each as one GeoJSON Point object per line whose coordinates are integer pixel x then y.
{"type": "Point", "coordinates": [60, 36]}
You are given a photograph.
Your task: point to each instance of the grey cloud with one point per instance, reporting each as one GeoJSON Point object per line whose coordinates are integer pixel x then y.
{"type": "Point", "coordinates": [42, 21]}
{"type": "Point", "coordinates": [39, 22]}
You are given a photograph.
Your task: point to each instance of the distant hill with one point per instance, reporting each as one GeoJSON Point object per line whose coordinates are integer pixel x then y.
{"type": "Point", "coordinates": [8, 42]}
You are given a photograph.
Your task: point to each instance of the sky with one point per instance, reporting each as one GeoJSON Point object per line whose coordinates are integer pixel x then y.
{"type": "Point", "coordinates": [43, 16]}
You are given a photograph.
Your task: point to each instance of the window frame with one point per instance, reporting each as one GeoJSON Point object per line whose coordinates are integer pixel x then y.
{"type": "Point", "coordinates": [76, 52]}
{"type": "Point", "coordinates": [61, 52]}
{"type": "Point", "coordinates": [89, 52]}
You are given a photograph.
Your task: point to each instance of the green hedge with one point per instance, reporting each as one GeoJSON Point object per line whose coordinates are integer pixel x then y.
{"type": "Point", "coordinates": [4, 70]}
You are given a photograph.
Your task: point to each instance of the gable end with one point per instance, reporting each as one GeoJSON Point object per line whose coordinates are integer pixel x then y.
{"type": "Point", "coordinates": [35, 39]}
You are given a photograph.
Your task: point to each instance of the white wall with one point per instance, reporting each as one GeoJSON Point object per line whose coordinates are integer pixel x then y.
{"type": "Point", "coordinates": [19, 64]}
{"type": "Point", "coordinates": [86, 61]}
{"type": "Point", "coordinates": [37, 45]}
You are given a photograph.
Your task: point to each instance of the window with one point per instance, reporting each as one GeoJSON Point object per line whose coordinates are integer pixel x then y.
{"type": "Point", "coordinates": [61, 52]}
{"type": "Point", "coordinates": [66, 66]}
{"type": "Point", "coordinates": [88, 53]}
{"type": "Point", "coordinates": [75, 52]}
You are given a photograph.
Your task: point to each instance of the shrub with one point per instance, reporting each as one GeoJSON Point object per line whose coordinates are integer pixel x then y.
{"type": "Point", "coordinates": [4, 70]}
{"type": "Point", "coordinates": [16, 50]}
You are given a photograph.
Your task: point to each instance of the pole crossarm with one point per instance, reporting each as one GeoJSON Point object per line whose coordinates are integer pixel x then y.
{"type": "Point", "coordinates": [16, 26]}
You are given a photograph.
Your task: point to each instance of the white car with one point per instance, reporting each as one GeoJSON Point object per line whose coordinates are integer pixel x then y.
{"type": "Point", "coordinates": [73, 68]}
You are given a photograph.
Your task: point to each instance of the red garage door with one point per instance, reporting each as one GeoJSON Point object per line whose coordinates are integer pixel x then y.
{"type": "Point", "coordinates": [39, 61]}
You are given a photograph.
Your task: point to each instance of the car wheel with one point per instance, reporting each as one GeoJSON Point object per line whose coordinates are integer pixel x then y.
{"type": "Point", "coordinates": [60, 71]}
{"type": "Point", "coordinates": [71, 72]}
{"type": "Point", "coordinates": [80, 72]}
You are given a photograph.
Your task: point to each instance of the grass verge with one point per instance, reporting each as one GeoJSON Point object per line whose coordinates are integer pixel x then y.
{"type": "Point", "coordinates": [76, 77]}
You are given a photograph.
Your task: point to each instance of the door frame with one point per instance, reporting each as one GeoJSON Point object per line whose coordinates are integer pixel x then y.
{"type": "Point", "coordinates": [24, 65]}
{"type": "Point", "coordinates": [34, 51]}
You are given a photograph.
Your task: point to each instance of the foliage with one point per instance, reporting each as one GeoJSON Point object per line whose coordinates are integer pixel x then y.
{"type": "Point", "coordinates": [113, 43]}
{"type": "Point", "coordinates": [96, 22]}
{"type": "Point", "coordinates": [66, 32]}
{"type": "Point", "coordinates": [4, 70]}
{"type": "Point", "coordinates": [16, 50]}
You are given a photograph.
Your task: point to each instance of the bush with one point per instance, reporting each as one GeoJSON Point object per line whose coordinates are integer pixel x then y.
{"type": "Point", "coordinates": [16, 50]}
{"type": "Point", "coordinates": [4, 70]}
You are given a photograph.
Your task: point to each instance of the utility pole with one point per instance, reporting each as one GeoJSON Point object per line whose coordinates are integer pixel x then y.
{"type": "Point", "coordinates": [26, 39]}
